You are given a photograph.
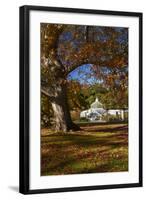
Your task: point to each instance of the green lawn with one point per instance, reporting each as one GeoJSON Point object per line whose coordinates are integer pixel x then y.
{"type": "Point", "coordinates": [94, 149]}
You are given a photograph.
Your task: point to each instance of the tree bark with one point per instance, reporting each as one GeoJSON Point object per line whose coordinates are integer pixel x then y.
{"type": "Point", "coordinates": [63, 121]}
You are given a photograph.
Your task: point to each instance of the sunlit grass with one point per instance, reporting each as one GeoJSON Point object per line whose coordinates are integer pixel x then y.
{"type": "Point", "coordinates": [94, 149]}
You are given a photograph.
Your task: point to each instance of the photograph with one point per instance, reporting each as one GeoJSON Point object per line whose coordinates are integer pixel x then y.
{"type": "Point", "coordinates": [84, 99]}
{"type": "Point", "coordinates": [80, 99]}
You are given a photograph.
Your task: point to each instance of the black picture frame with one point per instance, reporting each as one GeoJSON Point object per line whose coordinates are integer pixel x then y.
{"type": "Point", "coordinates": [25, 104]}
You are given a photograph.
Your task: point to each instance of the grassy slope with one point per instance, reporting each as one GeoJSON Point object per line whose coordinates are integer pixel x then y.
{"type": "Point", "coordinates": [98, 148]}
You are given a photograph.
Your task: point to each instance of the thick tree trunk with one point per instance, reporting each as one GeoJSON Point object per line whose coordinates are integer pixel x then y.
{"type": "Point", "coordinates": [55, 76]}
{"type": "Point", "coordinates": [61, 111]}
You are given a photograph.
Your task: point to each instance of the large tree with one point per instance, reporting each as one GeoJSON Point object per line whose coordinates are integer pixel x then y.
{"type": "Point", "coordinates": [66, 47]}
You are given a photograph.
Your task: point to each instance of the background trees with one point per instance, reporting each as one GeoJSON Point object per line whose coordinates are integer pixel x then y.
{"type": "Point", "coordinates": [66, 47]}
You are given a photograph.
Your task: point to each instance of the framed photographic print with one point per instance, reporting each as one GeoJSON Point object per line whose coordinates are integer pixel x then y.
{"type": "Point", "coordinates": [80, 99]}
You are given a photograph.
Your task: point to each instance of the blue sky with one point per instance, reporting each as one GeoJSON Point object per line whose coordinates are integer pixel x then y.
{"type": "Point", "coordinates": [83, 74]}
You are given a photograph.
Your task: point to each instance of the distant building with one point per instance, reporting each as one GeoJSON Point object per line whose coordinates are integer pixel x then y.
{"type": "Point", "coordinates": [96, 112]}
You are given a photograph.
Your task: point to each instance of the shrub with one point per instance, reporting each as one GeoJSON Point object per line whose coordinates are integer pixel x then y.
{"type": "Point", "coordinates": [84, 119]}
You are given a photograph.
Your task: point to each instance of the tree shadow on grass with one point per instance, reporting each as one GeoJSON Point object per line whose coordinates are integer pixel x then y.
{"type": "Point", "coordinates": [111, 130]}
{"type": "Point", "coordinates": [61, 162]}
{"type": "Point", "coordinates": [86, 140]}
{"type": "Point", "coordinates": [95, 169]}
{"type": "Point", "coordinates": [67, 167]}
{"type": "Point", "coordinates": [91, 129]}
{"type": "Point", "coordinates": [63, 150]}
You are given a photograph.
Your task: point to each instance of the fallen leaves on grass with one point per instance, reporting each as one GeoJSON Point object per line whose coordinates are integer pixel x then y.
{"type": "Point", "coordinates": [92, 150]}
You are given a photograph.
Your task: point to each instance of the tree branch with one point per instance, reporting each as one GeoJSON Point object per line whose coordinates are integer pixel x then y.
{"type": "Point", "coordinates": [51, 98]}
{"type": "Point", "coordinates": [45, 93]}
